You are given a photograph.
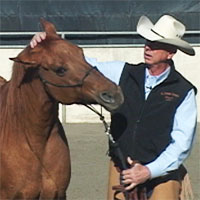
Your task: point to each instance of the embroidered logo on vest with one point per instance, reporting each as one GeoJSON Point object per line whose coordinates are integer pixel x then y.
{"type": "Point", "coordinates": [169, 96]}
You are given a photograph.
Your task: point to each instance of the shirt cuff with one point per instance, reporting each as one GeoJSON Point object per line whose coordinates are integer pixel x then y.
{"type": "Point", "coordinates": [155, 170]}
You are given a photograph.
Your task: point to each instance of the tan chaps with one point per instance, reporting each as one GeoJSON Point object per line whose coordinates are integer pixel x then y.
{"type": "Point", "coordinates": [170, 190]}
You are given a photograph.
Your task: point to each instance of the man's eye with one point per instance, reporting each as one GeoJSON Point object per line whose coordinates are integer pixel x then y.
{"type": "Point", "coordinates": [60, 71]}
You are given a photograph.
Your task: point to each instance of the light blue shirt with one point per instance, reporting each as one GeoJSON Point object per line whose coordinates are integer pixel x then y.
{"type": "Point", "coordinates": [184, 121]}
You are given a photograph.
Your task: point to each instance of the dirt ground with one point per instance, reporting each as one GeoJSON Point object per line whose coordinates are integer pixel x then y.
{"type": "Point", "coordinates": [88, 146]}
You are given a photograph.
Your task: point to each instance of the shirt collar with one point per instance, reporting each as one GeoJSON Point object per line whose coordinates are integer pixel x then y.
{"type": "Point", "coordinates": [159, 78]}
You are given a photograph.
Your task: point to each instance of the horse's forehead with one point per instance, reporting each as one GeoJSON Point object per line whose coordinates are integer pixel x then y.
{"type": "Point", "coordinates": [60, 51]}
{"type": "Point", "coordinates": [63, 46]}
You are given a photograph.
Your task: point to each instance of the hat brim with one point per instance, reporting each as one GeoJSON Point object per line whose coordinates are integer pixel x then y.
{"type": "Point", "coordinates": [144, 28]}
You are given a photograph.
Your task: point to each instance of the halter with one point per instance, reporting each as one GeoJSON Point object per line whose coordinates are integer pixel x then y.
{"type": "Point", "coordinates": [79, 84]}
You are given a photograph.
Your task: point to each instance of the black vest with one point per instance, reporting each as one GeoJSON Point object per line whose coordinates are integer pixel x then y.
{"type": "Point", "coordinates": [142, 127]}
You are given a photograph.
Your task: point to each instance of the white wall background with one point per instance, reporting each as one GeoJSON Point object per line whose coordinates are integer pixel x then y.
{"type": "Point", "coordinates": [188, 65]}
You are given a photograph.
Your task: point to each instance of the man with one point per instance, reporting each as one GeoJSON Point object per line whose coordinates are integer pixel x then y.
{"type": "Point", "coordinates": [157, 121]}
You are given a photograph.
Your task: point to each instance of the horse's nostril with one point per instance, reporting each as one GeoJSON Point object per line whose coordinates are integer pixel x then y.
{"type": "Point", "coordinates": [107, 97]}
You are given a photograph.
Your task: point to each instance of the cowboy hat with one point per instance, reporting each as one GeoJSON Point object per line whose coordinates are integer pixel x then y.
{"type": "Point", "coordinates": [166, 30]}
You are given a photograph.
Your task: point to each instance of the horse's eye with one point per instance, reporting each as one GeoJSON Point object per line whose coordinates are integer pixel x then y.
{"type": "Point", "coordinates": [60, 71]}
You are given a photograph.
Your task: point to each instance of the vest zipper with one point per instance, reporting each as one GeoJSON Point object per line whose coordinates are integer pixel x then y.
{"type": "Point", "coordinates": [142, 110]}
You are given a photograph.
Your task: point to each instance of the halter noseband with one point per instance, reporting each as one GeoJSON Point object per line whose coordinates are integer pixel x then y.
{"type": "Point", "coordinates": [79, 84]}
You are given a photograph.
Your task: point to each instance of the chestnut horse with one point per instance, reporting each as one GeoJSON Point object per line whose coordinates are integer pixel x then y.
{"type": "Point", "coordinates": [34, 153]}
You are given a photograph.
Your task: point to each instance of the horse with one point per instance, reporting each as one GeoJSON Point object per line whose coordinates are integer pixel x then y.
{"type": "Point", "coordinates": [2, 81]}
{"type": "Point", "coordinates": [34, 151]}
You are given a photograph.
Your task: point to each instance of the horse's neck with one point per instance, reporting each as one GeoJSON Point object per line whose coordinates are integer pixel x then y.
{"type": "Point", "coordinates": [33, 100]}
{"type": "Point", "coordinates": [31, 112]}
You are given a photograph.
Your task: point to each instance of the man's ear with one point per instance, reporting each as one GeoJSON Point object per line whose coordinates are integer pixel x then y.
{"type": "Point", "coordinates": [170, 56]}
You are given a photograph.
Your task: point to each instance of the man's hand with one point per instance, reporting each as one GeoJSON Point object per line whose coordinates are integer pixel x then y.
{"type": "Point", "coordinates": [38, 37]}
{"type": "Point", "coordinates": [135, 175]}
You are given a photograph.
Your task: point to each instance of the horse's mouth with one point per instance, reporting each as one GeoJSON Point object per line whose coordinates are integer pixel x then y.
{"type": "Point", "coordinates": [110, 100]}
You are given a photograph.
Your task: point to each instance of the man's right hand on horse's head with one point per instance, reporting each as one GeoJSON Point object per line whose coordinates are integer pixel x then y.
{"type": "Point", "coordinates": [37, 38]}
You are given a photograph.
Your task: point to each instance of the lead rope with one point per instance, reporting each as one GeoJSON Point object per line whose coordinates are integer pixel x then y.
{"type": "Point", "coordinates": [107, 131]}
{"type": "Point", "coordinates": [102, 118]}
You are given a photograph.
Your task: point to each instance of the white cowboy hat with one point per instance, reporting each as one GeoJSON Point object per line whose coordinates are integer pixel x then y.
{"type": "Point", "coordinates": [166, 30]}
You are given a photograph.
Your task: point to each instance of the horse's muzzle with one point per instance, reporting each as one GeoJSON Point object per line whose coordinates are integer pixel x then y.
{"type": "Point", "coordinates": [111, 100]}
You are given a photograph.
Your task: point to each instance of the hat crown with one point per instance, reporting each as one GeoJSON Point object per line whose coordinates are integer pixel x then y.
{"type": "Point", "coordinates": [169, 27]}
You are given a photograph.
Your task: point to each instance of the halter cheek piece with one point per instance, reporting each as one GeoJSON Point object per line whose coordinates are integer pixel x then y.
{"type": "Point", "coordinates": [79, 84]}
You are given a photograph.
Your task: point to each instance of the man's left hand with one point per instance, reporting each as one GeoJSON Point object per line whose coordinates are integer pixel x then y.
{"type": "Point", "coordinates": [137, 174]}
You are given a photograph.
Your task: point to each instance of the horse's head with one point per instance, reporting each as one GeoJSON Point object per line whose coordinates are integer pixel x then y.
{"type": "Point", "coordinates": [66, 75]}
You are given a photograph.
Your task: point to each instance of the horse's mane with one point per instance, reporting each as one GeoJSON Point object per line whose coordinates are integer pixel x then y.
{"type": "Point", "coordinates": [16, 91]}
{"type": "Point", "coordinates": [2, 81]}
{"type": "Point", "coordinates": [18, 72]}
{"type": "Point", "coordinates": [8, 96]}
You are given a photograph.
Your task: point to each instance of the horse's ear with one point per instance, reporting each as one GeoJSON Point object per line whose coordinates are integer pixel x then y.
{"type": "Point", "coordinates": [19, 60]}
{"type": "Point", "coordinates": [48, 27]}
{"type": "Point", "coordinates": [21, 73]}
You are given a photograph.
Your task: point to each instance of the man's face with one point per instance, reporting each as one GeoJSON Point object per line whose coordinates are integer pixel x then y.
{"type": "Point", "coordinates": [155, 52]}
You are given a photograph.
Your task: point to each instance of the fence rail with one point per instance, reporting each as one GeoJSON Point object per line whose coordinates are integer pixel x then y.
{"type": "Point", "coordinates": [68, 34]}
